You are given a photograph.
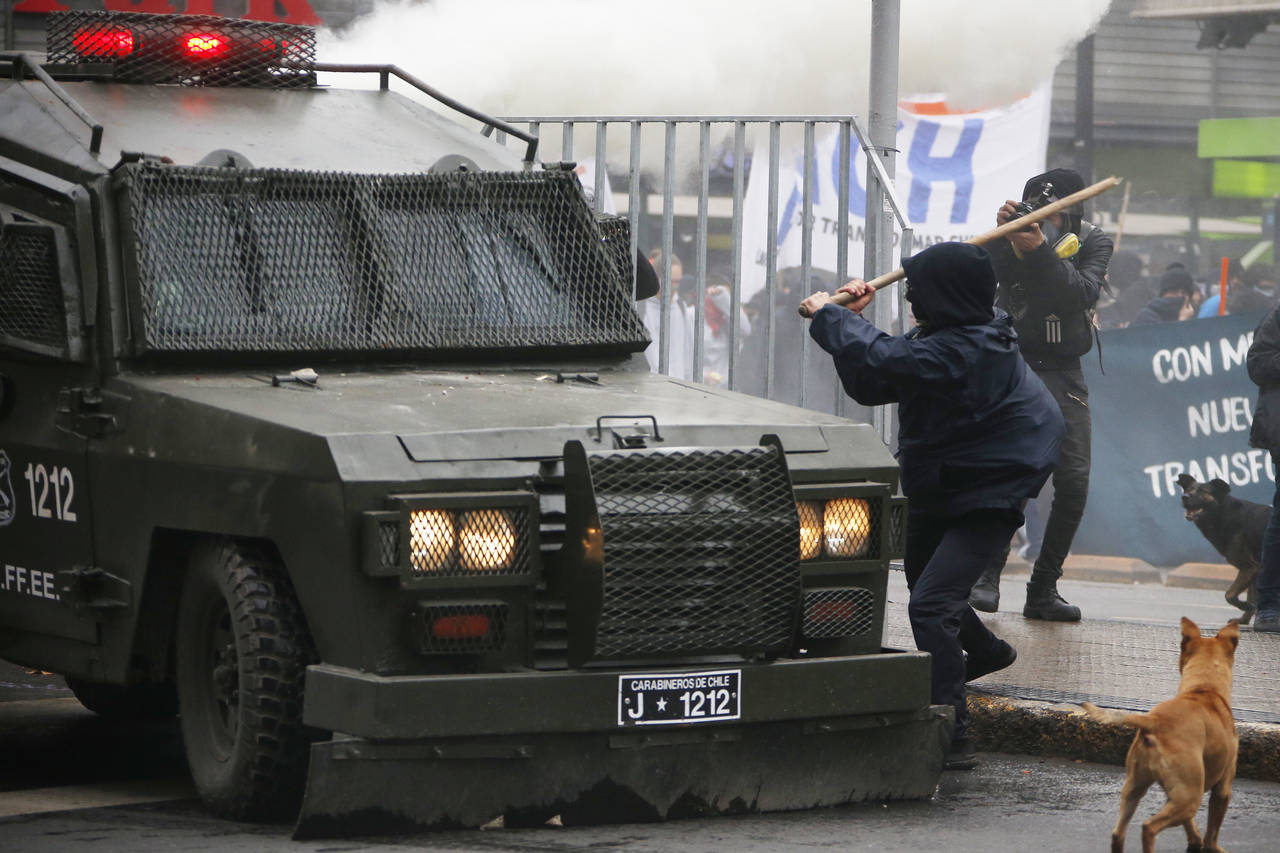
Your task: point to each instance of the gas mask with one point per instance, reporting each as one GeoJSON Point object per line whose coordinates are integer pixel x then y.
{"type": "Point", "coordinates": [1065, 245]}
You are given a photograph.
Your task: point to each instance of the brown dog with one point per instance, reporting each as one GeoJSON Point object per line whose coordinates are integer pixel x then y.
{"type": "Point", "coordinates": [1188, 744]}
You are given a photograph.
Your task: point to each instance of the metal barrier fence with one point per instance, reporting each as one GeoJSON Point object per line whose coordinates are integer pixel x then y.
{"type": "Point", "coordinates": [677, 210]}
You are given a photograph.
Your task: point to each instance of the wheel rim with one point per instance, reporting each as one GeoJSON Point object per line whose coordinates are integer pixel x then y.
{"type": "Point", "coordinates": [222, 680]}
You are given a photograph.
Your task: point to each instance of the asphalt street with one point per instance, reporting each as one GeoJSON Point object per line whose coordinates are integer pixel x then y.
{"type": "Point", "coordinates": [1007, 803]}
{"type": "Point", "coordinates": [70, 781]}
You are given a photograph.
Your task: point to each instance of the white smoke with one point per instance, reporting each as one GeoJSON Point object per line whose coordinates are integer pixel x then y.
{"type": "Point", "coordinates": [710, 57]}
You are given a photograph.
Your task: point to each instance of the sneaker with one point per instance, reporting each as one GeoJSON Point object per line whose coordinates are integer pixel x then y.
{"type": "Point", "coordinates": [1046, 604]}
{"type": "Point", "coordinates": [1003, 657]}
{"type": "Point", "coordinates": [962, 755]}
{"type": "Point", "coordinates": [1267, 621]}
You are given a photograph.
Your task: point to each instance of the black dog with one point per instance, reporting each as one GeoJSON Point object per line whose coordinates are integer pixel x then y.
{"type": "Point", "coordinates": [1232, 526]}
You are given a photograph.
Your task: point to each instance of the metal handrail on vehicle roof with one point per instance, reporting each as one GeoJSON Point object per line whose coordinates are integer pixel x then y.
{"type": "Point", "coordinates": [384, 73]}
{"type": "Point", "coordinates": [23, 63]}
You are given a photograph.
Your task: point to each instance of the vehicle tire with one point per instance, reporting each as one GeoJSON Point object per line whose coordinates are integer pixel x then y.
{"type": "Point", "coordinates": [119, 702]}
{"type": "Point", "coordinates": [242, 649]}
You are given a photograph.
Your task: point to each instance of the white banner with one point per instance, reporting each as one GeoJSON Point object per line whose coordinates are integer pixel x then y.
{"type": "Point", "coordinates": [954, 170]}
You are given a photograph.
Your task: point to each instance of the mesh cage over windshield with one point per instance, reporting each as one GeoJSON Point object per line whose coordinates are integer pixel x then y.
{"type": "Point", "coordinates": [194, 50]}
{"type": "Point", "coordinates": [616, 231]}
{"type": "Point", "coordinates": [263, 260]}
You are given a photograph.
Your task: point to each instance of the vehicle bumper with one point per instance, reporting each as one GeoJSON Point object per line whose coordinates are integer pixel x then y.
{"type": "Point", "coordinates": [419, 706]}
{"type": "Point", "coordinates": [461, 751]}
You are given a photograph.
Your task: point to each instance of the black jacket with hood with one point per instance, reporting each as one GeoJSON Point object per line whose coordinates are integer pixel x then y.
{"type": "Point", "coordinates": [1263, 363]}
{"type": "Point", "coordinates": [1161, 309]}
{"type": "Point", "coordinates": [1050, 299]}
{"type": "Point", "coordinates": [978, 429]}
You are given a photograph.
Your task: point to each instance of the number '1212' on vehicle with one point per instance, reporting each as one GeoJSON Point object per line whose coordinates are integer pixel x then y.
{"type": "Point", "coordinates": [691, 697]}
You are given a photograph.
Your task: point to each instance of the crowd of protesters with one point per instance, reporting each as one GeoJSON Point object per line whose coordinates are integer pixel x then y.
{"type": "Point", "coordinates": [1141, 297]}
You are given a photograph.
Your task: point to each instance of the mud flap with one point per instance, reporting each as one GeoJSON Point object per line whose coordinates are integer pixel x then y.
{"type": "Point", "coordinates": [360, 787]}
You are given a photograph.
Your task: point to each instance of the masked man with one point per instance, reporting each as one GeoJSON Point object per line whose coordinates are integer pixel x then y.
{"type": "Point", "coordinates": [978, 434]}
{"type": "Point", "coordinates": [1050, 276]}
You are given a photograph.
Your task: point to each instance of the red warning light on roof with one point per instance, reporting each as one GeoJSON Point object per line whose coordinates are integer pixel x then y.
{"type": "Point", "coordinates": [205, 45]}
{"type": "Point", "coordinates": [100, 43]}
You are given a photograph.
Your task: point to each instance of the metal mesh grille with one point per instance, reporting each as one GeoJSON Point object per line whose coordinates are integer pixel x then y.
{"type": "Point", "coordinates": [194, 50]}
{"type": "Point", "coordinates": [389, 546]}
{"type": "Point", "coordinates": [31, 307]}
{"type": "Point", "coordinates": [897, 527]}
{"type": "Point", "coordinates": [700, 551]}
{"type": "Point", "coordinates": [616, 231]}
{"type": "Point", "coordinates": [268, 260]}
{"type": "Point", "coordinates": [478, 541]}
{"type": "Point", "coordinates": [461, 627]}
{"type": "Point", "coordinates": [847, 612]}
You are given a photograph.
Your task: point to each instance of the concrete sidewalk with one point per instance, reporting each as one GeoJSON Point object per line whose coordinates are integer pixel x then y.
{"type": "Point", "coordinates": [1130, 664]}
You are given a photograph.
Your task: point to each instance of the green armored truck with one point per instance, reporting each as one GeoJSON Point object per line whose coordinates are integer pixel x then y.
{"type": "Point", "coordinates": [324, 425]}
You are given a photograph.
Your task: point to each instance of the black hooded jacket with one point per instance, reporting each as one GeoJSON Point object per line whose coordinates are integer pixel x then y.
{"type": "Point", "coordinates": [977, 428]}
{"type": "Point", "coordinates": [1050, 299]}
{"type": "Point", "coordinates": [1263, 364]}
{"type": "Point", "coordinates": [1161, 309]}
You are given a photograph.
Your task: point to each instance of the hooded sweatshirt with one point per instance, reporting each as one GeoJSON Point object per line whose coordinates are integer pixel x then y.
{"type": "Point", "coordinates": [977, 429]}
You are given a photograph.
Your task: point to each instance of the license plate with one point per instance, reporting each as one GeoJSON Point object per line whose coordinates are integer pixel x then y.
{"type": "Point", "coordinates": [657, 699]}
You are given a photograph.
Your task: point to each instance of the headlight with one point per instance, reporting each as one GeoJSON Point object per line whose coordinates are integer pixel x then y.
{"type": "Point", "coordinates": [481, 540]}
{"type": "Point", "coordinates": [431, 539]}
{"type": "Point", "coordinates": [846, 527]}
{"type": "Point", "coordinates": [836, 529]}
{"type": "Point", "coordinates": [487, 541]}
{"type": "Point", "coordinates": [810, 529]}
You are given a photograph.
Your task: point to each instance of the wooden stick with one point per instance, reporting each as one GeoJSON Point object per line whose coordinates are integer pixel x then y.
{"type": "Point", "coordinates": [995, 233]}
{"type": "Point", "coordinates": [1124, 212]}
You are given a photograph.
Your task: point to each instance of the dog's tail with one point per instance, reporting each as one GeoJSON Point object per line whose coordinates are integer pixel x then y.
{"type": "Point", "coordinates": [1142, 722]}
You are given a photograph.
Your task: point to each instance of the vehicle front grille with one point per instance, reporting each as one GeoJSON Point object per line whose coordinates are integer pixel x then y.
{"type": "Point", "coordinates": [700, 553]}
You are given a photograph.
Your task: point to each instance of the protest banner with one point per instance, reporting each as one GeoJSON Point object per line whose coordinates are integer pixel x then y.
{"type": "Point", "coordinates": [954, 171]}
{"type": "Point", "coordinates": [1174, 398]}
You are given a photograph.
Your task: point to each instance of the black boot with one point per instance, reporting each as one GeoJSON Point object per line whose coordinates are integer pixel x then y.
{"type": "Point", "coordinates": [1043, 602]}
{"type": "Point", "coordinates": [1001, 656]}
{"type": "Point", "coordinates": [961, 755]}
{"type": "Point", "coordinates": [985, 595]}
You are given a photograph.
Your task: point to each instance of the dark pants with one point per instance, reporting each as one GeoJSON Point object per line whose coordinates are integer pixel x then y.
{"type": "Point", "coordinates": [943, 559]}
{"type": "Point", "coordinates": [1070, 474]}
{"type": "Point", "coordinates": [1269, 575]}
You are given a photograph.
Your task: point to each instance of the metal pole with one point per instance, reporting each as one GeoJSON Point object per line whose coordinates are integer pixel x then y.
{"type": "Point", "coordinates": [700, 253]}
{"type": "Point", "coordinates": [883, 131]}
{"type": "Point", "coordinates": [771, 256]}
{"type": "Point", "coordinates": [735, 302]}
{"type": "Point", "coordinates": [602, 172]}
{"type": "Point", "coordinates": [566, 141]}
{"type": "Point", "coordinates": [844, 143]}
{"type": "Point", "coordinates": [668, 240]}
{"type": "Point", "coordinates": [806, 252]}
{"type": "Point", "coordinates": [1083, 142]}
{"type": "Point", "coordinates": [1275, 229]}
{"type": "Point", "coordinates": [633, 196]}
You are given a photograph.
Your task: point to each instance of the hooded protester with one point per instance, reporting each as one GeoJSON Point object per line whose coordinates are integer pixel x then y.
{"type": "Point", "coordinates": [1174, 300]}
{"type": "Point", "coordinates": [1263, 363]}
{"type": "Point", "coordinates": [1130, 287]}
{"type": "Point", "coordinates": [1258, 292]}
{"type": "Point", "coordinates": [1051, 274]}
{"type": "Point", "coordinates": [978, 434]}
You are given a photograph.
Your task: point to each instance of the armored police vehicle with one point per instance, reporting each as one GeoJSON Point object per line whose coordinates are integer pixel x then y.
{"type": "Point", "coordinates": [324, 425]}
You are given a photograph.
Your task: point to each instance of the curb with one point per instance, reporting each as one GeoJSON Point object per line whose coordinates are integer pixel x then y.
{"type": "Point", "coordinates": [1064, 731]}
{"type": "Point", "coordinates": [1087, 567]}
